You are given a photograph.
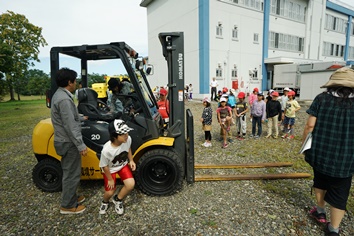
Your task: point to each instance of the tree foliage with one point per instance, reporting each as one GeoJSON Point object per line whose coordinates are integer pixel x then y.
{"type": "Point", "coordinates": [19, 47]}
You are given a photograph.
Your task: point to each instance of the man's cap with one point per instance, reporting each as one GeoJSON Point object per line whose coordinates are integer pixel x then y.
{"type": "Point", "coordinates": [112, 83]}
{"type": "Point", "coordinates": [256, 90]}
{"type": "Point", "coordinates": [163, 92]}
{"type": "Point", "coordinates": [286, 89]}
{"type": "Point", "coordinates": [343, 77]}
{"type": "Point", "coordinates": [119, 126]}
{"type": "Point", "coordinates": [222, 99]}
{"type": "Point", "coordinates": [241, 95]}
{"type": "Point", "coordinates": [275, 94]}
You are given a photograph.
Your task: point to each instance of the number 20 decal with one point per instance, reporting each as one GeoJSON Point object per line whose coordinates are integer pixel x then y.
{"type": "Point", "coordinates": [95, 137]}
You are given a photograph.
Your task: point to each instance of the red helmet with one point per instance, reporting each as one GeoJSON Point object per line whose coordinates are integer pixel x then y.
{"type": "Point", "coordinates": [256, 90]}
{"type": "Point", "coordinates": [224, 90]}
{"type": "Point", "coordinates": [241, 95]}
{"type": "Point", "coordinates": [291, 93]}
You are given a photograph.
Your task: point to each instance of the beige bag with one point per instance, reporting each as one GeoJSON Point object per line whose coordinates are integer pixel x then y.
{"type": "Point", "coordinates": [207, 127]}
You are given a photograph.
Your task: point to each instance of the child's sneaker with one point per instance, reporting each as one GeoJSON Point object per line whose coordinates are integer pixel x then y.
{"type": "Point", "coordinates": [104, 207]}
{"type": "Point", "coordinates": [240, 138]}
{"type": "Point", "coordinates": [209, 144]}
{"type": "Point", "coordinates": [118, 206]}
{"type": "Point", "coordinates": [291, 137]}
{"type": "Point", "coordinates": [256, 137]}
{"type": "Point", "coordinates": [284, 136]}
{"type": "Point", "coordinates": [251, 136]}
{"type": "Point", "coordinates": [225, 145]}
{"type": "Point", "coordinates": [319, 217]}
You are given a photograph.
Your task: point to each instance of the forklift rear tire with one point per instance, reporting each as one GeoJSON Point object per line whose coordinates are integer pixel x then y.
{"type": "Point", "coordinates": [47, 175]}
{"type": "Point", "coordinates": [160, 172]}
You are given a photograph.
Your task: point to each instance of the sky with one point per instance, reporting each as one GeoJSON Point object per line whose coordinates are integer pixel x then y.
{"type": "Point", "coordinates": [77, 22]}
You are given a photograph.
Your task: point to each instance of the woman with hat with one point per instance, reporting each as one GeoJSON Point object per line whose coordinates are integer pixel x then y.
{"type": "Point", "coordinates": [331, 121]}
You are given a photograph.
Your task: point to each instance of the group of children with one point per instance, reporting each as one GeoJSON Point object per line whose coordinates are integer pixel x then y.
{"type": "Point", "coordinates": [116, 156]}
{"type": "Point", "coordinates": [270, 111]}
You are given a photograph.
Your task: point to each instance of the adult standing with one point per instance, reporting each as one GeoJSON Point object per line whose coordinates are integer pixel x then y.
{"type": "Point", "coordinates": [214, 86]}
{"type": "Point", "coordinates": [331, 121]}
{"type": "Point", "coordinates": [68, 141]}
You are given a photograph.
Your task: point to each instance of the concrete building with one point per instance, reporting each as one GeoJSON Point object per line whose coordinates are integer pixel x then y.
{"type": "Point", "coordinates": [239, 41]}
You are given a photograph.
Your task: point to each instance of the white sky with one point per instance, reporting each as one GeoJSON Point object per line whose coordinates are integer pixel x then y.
{"type": "Point", "coordinates": [77, 22]}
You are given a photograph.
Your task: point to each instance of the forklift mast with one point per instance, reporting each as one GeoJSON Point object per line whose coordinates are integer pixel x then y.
{"type": "Point", "coordinates": [173, 51]}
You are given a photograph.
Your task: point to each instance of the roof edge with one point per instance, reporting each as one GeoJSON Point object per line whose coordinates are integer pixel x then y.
{"type": "Point", "coordinates": [145, 3]}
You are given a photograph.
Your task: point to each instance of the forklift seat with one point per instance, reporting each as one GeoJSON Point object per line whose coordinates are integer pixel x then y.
{"type": "Point", "coordinates": [89, 105]}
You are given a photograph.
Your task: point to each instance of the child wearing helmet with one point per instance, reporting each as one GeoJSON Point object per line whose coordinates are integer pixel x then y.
{"type": "Point", "coordinates": [292, 106]}
{"type": "Point", "coordinates": [240, 113]}
{"type": "Point", "coordinates": [224, 118]}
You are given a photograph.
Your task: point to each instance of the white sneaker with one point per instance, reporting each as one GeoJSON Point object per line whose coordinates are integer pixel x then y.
{"type": "Point", "coordinates": [119, 207]}
{"type": "Point", "coordinates": [209, 145]}
{"type": "Point", "coordinates": [104, 207]}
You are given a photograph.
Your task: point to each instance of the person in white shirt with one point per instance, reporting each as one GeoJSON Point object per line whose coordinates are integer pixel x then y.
{"type": "Point", "coordinates": [213, 85]}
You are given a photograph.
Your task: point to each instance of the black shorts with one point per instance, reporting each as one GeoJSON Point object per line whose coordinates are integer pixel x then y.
{"type": "Point", "coordinates": [337, 189]}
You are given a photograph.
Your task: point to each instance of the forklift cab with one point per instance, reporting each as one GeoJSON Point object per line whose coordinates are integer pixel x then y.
{"type": "Point", "coordinates": [140, 108]}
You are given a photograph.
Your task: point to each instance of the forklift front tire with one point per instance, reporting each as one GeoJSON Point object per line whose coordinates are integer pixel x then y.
{"type": "Point", "coordinates": [47, 175]}
{"type": "Point", "coordinates": [160, 172]}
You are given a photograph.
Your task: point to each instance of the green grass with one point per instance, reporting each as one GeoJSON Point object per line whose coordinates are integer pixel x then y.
{"type": "Point", "coordinates": [18, 118]}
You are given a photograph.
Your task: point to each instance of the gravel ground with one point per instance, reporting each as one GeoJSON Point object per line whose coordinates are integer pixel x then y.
{"type": "Point", "coordinates": [255, 207]}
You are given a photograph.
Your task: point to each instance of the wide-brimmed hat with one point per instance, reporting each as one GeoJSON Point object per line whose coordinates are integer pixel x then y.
{"type": "Point", "coordinates": [343, 77]}
{"type": "Point", "coordinates": [119, 126]}
{"type": "Point", "coordinates": [206, 99]}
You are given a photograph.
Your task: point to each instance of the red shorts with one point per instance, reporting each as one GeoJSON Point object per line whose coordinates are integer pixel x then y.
{"type": "Point", "coordinates": [124, 173]}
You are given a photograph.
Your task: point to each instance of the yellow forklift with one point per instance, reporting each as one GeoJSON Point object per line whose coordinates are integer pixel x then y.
{"type": "Point", "coordinates": [164, 157]}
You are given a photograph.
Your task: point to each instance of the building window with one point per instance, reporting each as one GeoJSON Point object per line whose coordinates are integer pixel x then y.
{"type": "Point", "coordinates": [286, 42]}
{"type": "Point", "coordinates": [288, 9]}
{"type": "Point", "coordinates": [219, 72]}
{"type": "Point", "coordinates": [219, 30]}
{"type": "Point", "coordinates": [336, 24]}
{"type": "Point", "coordinates": [255, 38]}
{"type": "Point", "coordinates": [333, 50]}
{"type": "Point", "coordinates": [234, 72]}
{"type": "Point", "coordinates": [235, 32]}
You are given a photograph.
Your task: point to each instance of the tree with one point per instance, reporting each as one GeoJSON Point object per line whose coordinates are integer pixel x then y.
{"type": "Point", "coordinates": [19, 47]}
{"type": "Point", "coordinates": [95, 78]}
{"type": "Point", "coordinates": [38, 82]}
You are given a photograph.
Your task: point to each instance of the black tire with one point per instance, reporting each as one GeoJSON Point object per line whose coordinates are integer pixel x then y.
{"type": "Point", "coordinates": [47, 175]}
{"type": "Point", "coordinates": [159, 172]}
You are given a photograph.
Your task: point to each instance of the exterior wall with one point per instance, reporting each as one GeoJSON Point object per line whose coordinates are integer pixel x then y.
{"type": "Point", "coordinates": [226, 53]}
{"type": "Point", "coordinates": [170, 16]}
